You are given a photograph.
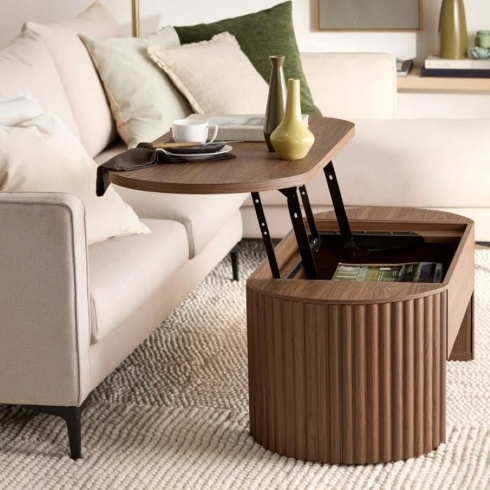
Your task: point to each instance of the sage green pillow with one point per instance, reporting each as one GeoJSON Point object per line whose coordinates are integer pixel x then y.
{"type": "Point", "coordinates": [260, 35]}
{"type": "Point", "coordinates": [143, 101]}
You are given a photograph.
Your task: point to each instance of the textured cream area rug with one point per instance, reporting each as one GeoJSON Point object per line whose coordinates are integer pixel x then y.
{"type": "Point", "coordinates": [175, 415]}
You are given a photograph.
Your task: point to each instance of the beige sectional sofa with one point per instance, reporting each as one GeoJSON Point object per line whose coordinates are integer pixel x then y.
{"type": "Point", "coordinates": [71, 313]}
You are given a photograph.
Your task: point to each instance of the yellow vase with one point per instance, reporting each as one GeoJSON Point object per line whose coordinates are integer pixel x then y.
{"type": "Point", "coordinates": [292, 139]}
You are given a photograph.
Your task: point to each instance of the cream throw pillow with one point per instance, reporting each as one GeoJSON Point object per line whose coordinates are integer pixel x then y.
{"type": "Point", "coordinates": [78, 74]}
{"type": "Point", "coordinates": [25, 64]}
{"type": "Point", "coordinates": [18, 108]}
{"type": "Point", "coordinates": [42, 155]}
{"type": "Point", "coordinates": [215, 76]}
{"type": "Point", "coordinates": [143, 100]}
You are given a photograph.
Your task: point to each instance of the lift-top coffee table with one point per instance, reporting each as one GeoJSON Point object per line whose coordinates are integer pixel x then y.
{"type": "Point", "coordinates": [254, 170]}
{"type": "Point", "coordinates": [355, 372]}
{"type": "Point", "coordinates": [340, 372]}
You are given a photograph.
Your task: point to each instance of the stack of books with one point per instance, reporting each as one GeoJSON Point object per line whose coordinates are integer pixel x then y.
{"type": "Point", "coordinates": [463, 68]}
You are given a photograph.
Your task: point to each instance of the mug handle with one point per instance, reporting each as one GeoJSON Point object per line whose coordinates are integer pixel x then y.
{"type": "Point", "coordinates": [215, 133]}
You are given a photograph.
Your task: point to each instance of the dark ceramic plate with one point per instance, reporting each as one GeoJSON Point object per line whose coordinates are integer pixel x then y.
{"type": "Point", "coordinates": [196, 150]}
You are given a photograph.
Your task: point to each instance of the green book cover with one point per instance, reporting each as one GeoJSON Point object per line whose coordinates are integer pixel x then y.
{"type": "Point", "coordinates": [407, 272]}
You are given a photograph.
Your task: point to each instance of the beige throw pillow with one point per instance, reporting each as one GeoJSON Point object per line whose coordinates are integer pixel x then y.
{"type": "Point", "coordinates": [144, 102]}
{"type": "Point", "coordinates": [41, 155]}
{"type": "Point", "coordinates": [25, 65]}
{"type": "Point", "coordinates": [78, 74]}
{"type": "Point", "coordinates": [215, 76]}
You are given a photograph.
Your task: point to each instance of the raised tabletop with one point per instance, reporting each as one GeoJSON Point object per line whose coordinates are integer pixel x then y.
{"type": "Point", "coordinates": [254, 170]}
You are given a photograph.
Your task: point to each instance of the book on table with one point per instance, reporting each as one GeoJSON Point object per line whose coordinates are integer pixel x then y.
{"type": "Point", "coordinates": [403, 272]}
{"type": "Point", "coordinates": [454, 73]}
{"type": "Point", "coordinates": [240, 127]}
{"type": "Point", "coordinates": [433, 62]}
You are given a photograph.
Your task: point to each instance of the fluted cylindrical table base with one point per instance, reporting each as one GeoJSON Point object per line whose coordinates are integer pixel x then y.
{"type": "Point", "coordinates": [347, 384]}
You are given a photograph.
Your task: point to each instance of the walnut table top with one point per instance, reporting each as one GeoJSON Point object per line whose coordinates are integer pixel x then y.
{"type": "Point", "coordinates": [254, 170]}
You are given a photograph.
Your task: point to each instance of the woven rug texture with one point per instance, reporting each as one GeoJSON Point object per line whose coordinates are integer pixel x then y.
{"type": "Point", "coordinates": [174, 415]}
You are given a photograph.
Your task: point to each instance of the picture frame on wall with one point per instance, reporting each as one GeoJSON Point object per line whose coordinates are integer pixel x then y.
{"type": "Point", "coordinates": [369, 15]}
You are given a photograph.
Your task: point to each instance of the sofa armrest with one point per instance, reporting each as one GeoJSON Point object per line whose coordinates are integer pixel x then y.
{"type": "Point", "coordinates": [44, 312]}
{"type": "Point", "coordinates": [352, 85]}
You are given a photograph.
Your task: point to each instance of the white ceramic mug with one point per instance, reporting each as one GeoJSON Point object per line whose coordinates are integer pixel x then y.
{"type": "Point", "coordinates": [189, 130]}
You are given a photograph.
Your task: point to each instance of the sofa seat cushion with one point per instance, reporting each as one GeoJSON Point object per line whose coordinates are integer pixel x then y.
{"type": "Point", "coordinates": [125, 271]}
{"type": "Point", "coordinates": [402, 162]}
{"type": "Point", "coordinates": [116, 147]}
{"type": "Point", "coordinates": [202, 215]}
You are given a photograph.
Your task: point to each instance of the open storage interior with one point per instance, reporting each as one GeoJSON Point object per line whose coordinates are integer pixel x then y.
{"type": "Point", "coordinates": [327, 259]}
{"type": "Point", "coordinates": [448, 239]}
{"type": "Point", "coordinates": [441, 242]}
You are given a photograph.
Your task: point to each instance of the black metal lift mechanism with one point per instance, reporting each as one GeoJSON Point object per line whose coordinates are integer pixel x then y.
{"type": "Point", "coordinates": [355, 244]}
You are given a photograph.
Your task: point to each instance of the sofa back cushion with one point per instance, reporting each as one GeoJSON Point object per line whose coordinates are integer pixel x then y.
{"type": "Point", "coordinates": [25, 65]}
{"type": "Point", "coordinates": [352, 85]}
{"type": "Point", "coordinates": [78, 74]}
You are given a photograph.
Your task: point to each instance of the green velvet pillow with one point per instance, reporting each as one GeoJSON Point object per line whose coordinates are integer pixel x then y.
{"type": "Point", "coordinates": [260, 35]}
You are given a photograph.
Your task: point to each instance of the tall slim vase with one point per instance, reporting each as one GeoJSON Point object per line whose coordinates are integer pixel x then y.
{"type": "Point", "coordinates": [453, 33]}
{"type": "Point", "coordinates": [276, 101]}
{"type": "Point", "coordinates": [292, 139]}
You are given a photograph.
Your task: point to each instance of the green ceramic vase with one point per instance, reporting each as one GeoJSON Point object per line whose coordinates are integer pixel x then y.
{"type": "Point", "coordinates": [452, 30]}
{"type": "Point", "coordinates": [292, 139]}
{"type": "Point", "coordinates": [276, 101]}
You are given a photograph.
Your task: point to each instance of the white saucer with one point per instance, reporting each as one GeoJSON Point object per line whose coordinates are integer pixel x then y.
{"type": "Point", "coordinates": [201, 156]}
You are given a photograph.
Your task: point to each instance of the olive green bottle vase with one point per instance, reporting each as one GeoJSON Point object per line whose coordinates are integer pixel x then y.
{"type": "Point", "coordinates": [276, 101]}
{"type": "Point", "coordinates": [453, 33]}
{"type": "Point", "coordinates": [292, 139]}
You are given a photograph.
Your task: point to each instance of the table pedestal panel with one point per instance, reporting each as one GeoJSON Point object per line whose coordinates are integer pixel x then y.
{"type": "Point", "coordinates": [347, 384]}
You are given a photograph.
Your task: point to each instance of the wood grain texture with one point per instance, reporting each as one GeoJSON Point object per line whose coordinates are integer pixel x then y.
{"type": "Point", "coordinates": [367, 381]}
{"type": "Point", "coordinates": [449, 238]}
{"type": "Point", "coordinates": [254, 170]}
{"type": "Point", "coordinates": [460, 283]}
{"type": "Point", "coordinates": [463, 345]}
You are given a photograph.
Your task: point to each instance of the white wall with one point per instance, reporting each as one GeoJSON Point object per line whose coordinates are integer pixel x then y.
{"type": "Point", "coordinates": [158, 12]}
{"type": "Point", "coordinates": [179, 12]}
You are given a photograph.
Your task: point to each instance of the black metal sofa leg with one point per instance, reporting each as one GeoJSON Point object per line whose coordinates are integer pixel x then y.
{"type": "Point", "coordinates": [234, 262]}
{"type": "Point", "coordinates": [73, 418]}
